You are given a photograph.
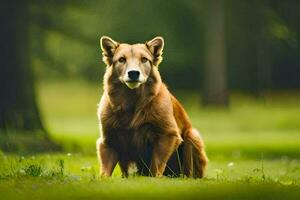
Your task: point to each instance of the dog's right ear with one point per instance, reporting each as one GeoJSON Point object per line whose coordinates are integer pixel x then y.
{"type": "Point", "coordinates": [108, 47]}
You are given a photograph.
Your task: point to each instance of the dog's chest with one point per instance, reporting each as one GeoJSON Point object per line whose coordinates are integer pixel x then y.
{"type": "Point", "coordinates": [124, 136]}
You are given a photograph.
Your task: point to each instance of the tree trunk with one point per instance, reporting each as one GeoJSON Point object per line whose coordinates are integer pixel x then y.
{"type": "Point", "coordinates": [21, 128]}
{"type": "Point", "coordinates": [215, 76]}
{"type": "Point", "coordinates": [18, 108]}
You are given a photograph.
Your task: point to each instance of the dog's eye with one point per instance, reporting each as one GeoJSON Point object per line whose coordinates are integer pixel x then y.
{"type": "Point", "coordinates": [144, 60]}
{"type": "Point", "coordinates": [122, 60]}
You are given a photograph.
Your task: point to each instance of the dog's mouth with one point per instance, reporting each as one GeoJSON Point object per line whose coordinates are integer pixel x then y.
{"type": "Point", "coordinates": [133, 84]}
{"type": "Point", "coordinates": [132, 81]}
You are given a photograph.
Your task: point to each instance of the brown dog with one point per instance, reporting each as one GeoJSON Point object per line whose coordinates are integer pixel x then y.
{"type": "Point", "coordinates": [141, 122]}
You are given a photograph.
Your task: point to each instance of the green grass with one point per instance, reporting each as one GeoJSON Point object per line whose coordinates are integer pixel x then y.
{"type": "Point", "coordinates": [253, 149]}
{"type": "Point", "coordinates": [75, 177]}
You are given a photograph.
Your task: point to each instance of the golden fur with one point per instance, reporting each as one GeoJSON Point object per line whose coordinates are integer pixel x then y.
{"type": "Point", "coordinates": [144, 124]}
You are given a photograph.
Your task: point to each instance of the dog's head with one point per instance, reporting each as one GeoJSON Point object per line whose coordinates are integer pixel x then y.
{"type": "Point", "coordinates": [132, 63]}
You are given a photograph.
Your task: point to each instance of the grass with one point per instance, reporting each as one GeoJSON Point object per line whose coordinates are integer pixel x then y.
{"type": "Point", "coordinates": [74, 176]}
{"type": "Point", "coordinates": [253, 149]}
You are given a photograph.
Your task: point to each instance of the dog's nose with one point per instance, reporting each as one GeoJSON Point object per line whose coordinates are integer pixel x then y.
{"type": "Point", "coordinates": [133, 75]}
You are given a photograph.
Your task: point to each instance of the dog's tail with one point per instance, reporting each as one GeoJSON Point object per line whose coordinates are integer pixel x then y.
{"type": "Point", "coordinates": [194, 156]}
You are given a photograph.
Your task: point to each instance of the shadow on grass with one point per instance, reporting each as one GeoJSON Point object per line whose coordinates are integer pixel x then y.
{"type": "Point", "coordinates": [28, 142]}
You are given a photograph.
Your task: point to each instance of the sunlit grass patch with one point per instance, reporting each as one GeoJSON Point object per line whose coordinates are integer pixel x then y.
{"type": "Point", "coordinates": [75, 176]}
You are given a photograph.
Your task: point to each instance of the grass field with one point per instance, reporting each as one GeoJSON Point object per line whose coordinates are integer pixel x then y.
{"type": "Point", "coordinates": [253, 147]}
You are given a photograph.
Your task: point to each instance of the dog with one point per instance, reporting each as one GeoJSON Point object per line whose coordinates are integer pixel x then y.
{"type": "Point", "coordinates": [141, 122]}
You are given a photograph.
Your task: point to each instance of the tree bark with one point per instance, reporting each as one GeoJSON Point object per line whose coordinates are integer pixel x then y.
{"type": "Point", "coordinates": [18, 106]}
{"type": "Point", "coordinates": [215, 90]}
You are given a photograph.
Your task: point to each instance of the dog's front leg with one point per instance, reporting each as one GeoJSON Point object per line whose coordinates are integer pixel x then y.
{"type": "Point", "coordinates": [108, 158]}
{"type": "Point", "coordinates": [162, 151]}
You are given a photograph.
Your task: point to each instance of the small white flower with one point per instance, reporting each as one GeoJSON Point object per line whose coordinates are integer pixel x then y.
{"type": "Point", "coordinates": [69, 154]}
{"type": "Point", "coordinates": [231, 164]}
{"type": "Point", "coordinates": [86, 167]}
{"type": "Point", "coordinates": [219, 171]}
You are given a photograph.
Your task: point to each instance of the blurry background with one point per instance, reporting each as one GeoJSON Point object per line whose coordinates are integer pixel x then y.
{"type": "Point", "coordinates": [261, 39]}
{"type": "Point", "coordinates": [234, 65]}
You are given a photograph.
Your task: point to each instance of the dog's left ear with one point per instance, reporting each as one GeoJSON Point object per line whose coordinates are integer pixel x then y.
{"type": "Point", "coordinates": [156, 47]}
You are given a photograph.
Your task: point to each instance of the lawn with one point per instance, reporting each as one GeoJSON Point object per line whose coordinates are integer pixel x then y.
{"type": "Point", "coordinates": [253, 147]}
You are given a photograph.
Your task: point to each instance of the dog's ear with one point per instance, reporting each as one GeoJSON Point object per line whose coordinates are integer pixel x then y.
{"type": "Point", "coordinates": [108, 47]}
{"type": "Point", "coordinates": [156, 47]}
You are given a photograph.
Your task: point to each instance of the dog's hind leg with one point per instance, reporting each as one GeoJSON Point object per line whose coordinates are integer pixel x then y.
{"type": "Point", "coordinates": [162, 151]}
{"type": "Point", "coordinates": [174, 165]}
{"type": "Point", "coordinates": [194, 156]}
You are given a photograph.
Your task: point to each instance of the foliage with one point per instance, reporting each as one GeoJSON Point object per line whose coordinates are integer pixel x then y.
{"type": "Point", "coordinates": [262, 38]}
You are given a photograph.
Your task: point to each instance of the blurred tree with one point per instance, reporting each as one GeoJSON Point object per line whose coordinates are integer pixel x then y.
{"type": "Point", "coordinates": [18, 107]}
{"type": "Point", "coordinates": [261, 50]}
{"type": "Point", "coordinates": [215, 75]}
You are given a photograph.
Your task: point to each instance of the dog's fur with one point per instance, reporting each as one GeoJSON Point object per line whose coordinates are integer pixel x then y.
{"type": "Point", "coordinates": [144, 124]}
